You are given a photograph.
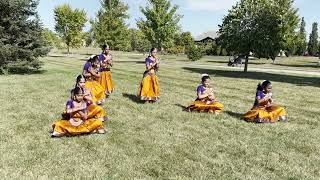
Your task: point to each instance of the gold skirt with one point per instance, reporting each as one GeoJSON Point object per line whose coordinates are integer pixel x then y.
{"type": "Point", "coordinates": [96, 90]}
{"type": "Point", "coordinates": [96, 112]}
{"type": "Point", "coordinates": [265, 114]}
{"type": "Point", "coordinates": [64, 127]}
{"type": "Point", "coordinates": [201, 106]}
{"type": "Point", "coordinates": [106, 82]}
{"type": "Point", "coordinates": [149, 89]}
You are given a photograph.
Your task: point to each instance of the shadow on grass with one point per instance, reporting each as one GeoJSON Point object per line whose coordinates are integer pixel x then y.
{"type": "Point", "coordinates": [226, 62]}
{"type": "Point", "coordinates": [26, 72]}
{"type": "Point", "coordinates": [315, 65]}
{"type": "Point", "coordinates": [58, 56]}
{"type": "Point", "coordinates": [297, 80]}
{"type": "Point", "coordinates": [137, 62]}
{"type": "Point", "coordinates": [234, 114]}
{"type": "Point", "coordinates": [183, 108]}
{"type": "Point", "coordinates": [133, 98]}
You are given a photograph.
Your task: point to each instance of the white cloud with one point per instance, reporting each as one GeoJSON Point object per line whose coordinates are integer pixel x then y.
{"type": "Point", "coordinates": [210, 5]}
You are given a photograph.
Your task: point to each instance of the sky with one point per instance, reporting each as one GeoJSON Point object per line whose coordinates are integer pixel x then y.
{"type": "Point", "coordinates": [198, 15]}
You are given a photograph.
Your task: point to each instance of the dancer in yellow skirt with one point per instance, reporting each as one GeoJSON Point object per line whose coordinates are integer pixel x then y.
{"type": "Point", "coordinates": [75, 120]}
{"type": "Point", "coordinates": [149, 90]}
{"type": "Point", "coordinates": [263, 110]}
{"type": "Point", "coordinates": [206, 101]}
{"type": "Point", "coordinates": [105, 64]}
{"type": "Point", "coordinates": [94, 111]}
{"type": "Point", "coordinates": [91, 73]}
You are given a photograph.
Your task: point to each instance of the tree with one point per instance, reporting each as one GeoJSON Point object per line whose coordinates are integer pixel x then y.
{"type": "Point", "coordinates": [184, 40]}
{"type": "Point", "coordinates": [313, 40]}
{"type": "Point", "coordinates": [302, 40]}
{"type": "Point", "coordinates": [160, 24]}
{"type": "Point", "coordinates": [289, 19]}
{"type": "Point", "coordinates": [69, 25]}
{"type": "Point", "coordinates": [52, 39]}
{"type": "Point", "coordinates": [21, 43]}
{"type": "Point", "coordinates": [109, 27]}
{"type": "Point", "coordinates": [263, 27]}
{"type": "Point", "coordinates": [138, 41]}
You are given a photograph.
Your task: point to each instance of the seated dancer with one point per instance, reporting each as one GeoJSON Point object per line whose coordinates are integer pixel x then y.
{"type": "Point", "coordinates": [206, 101]}
{"type": "Point", "coordinates": [91, 73]}
{"type": "Point", "coordinates": [94, 111]}
{"type": "Point", "coordinates": [75, 120]}
{"type": "Point", "coordinates": [264, 110]}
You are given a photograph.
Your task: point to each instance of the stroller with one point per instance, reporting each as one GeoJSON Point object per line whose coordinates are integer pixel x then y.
{"type": "Point", "coordinates": [236, 60]}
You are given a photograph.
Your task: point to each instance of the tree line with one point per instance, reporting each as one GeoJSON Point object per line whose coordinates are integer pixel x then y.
{"type": "Point", "coordinates": [259, 27]}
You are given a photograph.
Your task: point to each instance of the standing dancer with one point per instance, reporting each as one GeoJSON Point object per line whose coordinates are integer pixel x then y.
{"type": "Point", "coordinates": [149, 90]}
{"type": "Point", "coordinates": [105, 80]}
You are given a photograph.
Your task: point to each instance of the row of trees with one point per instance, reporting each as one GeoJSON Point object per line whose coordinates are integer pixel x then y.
{"type": "Point", "coordinates": [262, 27]}
{"type": "Point", "coordinates": [159, 28]}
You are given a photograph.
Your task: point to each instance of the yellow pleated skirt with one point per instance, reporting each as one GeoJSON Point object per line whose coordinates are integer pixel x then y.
{"type": "Point", "coordinates": [265, 114]}
{"type": "Point", "coordinates": [201, 106]}
{"type": "Point", "coordinates": [106, 82]}
{"type": "Point", "coordinates": [149, 89]}
{"type": "Point", "coordinates": [96, 112]}
{"type": "Point", "coordinates": [96, 90]}
{"type": "Point", "coordinates": [64, 127]}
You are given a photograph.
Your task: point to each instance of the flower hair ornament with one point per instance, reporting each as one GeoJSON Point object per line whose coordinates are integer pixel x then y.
{"type": "Point", "coordinates": [202, 75]}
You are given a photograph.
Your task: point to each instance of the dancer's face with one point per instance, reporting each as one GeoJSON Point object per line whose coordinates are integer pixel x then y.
{"type": "Point", "coordinates": [268, 89]}
{"type": "Point", "coordinates": [206, 83]}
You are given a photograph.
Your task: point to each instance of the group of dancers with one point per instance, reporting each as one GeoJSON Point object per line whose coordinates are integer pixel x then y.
{"type": "Point", "coordinates": [84, 115]}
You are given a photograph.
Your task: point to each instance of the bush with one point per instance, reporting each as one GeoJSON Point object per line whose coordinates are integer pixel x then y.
{"type": "Point", "coordinates": [176, 50]}
{"type": "Point", "coordinates": [195, 53]}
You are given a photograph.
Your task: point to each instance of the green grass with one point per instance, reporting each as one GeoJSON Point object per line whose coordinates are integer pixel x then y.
{"type": "Point", "coordinates": [161, 140]}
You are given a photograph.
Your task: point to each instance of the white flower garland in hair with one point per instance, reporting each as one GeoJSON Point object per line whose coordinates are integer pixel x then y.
{"type": "Point", "coordinates": [262, 82]}
{"type": "Point", "coordinates": [202, 75]}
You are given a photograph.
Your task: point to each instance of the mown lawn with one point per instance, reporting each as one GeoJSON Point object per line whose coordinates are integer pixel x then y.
{"type": "Point", "coordinates": [149, 141]}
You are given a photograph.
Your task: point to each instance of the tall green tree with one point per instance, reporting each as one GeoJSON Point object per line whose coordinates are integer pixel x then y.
{"type": "Point", "coordinates": [138, 41]}
{"type": "Point", "coordinates": [263, 27]}
{"type": "Point", "coordinates": [184, 39]}
{"type": "Point", "coordinates": [182, 42]}
{"type": "Point", "coordinates": [160, 24]}
{"type": "Point", "coordinates": [69, 24]}
{"type": "Point", "coordinates": [302, 38]}
{"type": "Point", "coordinates": [313, 40]}
{"type": "Point", "coordinates": [289, 24]}
{"type": "Point", "coordinates": [109, 27]}
{"type": "Point", "coordinates": [52, 39]}
{"type": "Point", "coordinates": [21, 43]}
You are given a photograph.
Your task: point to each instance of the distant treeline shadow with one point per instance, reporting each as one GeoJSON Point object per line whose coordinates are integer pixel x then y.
{"type": "Point", "coordinates": [292, 79]}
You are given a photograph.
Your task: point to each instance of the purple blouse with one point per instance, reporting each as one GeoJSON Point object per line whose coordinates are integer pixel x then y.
{"type": "Point", "coordinates": [201, 89]}
{"type": "Point", "coordinates": [70, 105]}
{"type": "Point", "coordinates": [86, 66]}
{"type": "Point", "coordinates": [101, 59]}
{"type": "Point", "coordinates": [259, 95]}
{"type": "Point", "coordinates": [149, 61]}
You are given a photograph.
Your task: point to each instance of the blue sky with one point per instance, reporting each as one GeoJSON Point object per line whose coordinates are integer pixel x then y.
{"type": "Point", "coordinates": [198, 15]}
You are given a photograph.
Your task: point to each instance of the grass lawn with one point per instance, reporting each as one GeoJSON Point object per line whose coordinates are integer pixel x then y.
{"type": "Point", "coordinates": [161, 140]}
